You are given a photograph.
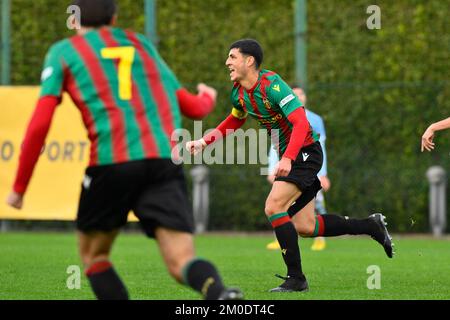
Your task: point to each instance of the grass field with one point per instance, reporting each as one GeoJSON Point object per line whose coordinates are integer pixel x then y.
{"type": "Point", "coordinates": [33, 266]}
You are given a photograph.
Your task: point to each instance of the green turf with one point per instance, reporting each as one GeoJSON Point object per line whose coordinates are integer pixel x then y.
{"type": "Point", "coordinates": [33, 266]}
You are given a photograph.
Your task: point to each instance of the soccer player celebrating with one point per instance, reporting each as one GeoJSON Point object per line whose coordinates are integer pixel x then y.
{"type": "Point", "coordinates": [130, 102]}
{"type": "Point", "coordinates": [318, 126]}
{"type": "Point", "coordinates": [266, 97]}
{"type": "Point", "coordinates": [428, 135]}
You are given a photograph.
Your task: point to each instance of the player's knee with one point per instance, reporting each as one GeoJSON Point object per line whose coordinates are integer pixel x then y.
{"type": "Point", "coordinates": [274, 206]}
{"type": "Point", "coordinates": [90, 259]}
{"type": "Point", "coordinates": [270, 210]}
{"type": "Point", "coordinates": [87, 258]}
{"type": "Point", "coordinates": [84, 256]}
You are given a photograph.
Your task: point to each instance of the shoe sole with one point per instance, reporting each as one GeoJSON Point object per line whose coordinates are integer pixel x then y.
{"type": "Point", "coordinates": [288, 290]}
{"type": "Point", "coordinates": [233, 294]}
{"type": "Point", "coordinates": [388, 245]}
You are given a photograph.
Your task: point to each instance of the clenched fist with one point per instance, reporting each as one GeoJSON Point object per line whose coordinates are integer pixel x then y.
{"type": "Point", "coordinates": [15, 200]}
{"type": "Point", "coordinates": [194, 147]}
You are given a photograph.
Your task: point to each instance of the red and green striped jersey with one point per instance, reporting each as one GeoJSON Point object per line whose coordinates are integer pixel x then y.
{"type": "Point", "coordinates": [124, 90]}
{"type": "Point", "coordinates": [270, 102]}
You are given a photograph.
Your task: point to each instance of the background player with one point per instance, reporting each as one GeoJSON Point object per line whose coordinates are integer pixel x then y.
{"type": "Point", "coordinates": [130, 103]}
{"type": "Point", "coordinates": [268, 99]}
{"type": "Point", "coordinates": [318, 126]}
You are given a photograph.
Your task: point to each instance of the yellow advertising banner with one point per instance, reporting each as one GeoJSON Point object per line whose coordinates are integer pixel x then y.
{"type": "Point", "coordinates": [56, 183]}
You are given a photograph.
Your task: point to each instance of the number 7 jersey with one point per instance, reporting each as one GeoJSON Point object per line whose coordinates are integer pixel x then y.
{"type": "Point", "coordinates": [124, 90]}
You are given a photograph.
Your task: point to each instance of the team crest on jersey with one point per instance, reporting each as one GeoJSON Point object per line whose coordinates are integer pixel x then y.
{"type": "Point", "coordinates": [267, 103]}
{"type": "Point", "coordinates": [241, 102]}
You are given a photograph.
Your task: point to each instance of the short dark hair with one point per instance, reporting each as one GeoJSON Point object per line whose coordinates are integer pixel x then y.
{"type": "Point", "coordinates": [96, 13]}
{"type": "Point", "coordinates": [250, 47]}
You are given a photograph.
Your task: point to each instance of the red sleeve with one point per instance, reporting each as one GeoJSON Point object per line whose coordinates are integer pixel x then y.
{"type": "Point", "coordinates": [300, 130]}
{"type": "Point", "coordinates": [34, 140]}
{"type": "Point", "coordinates": [227, 126]}
{"type": "Point", "coordinates": [194, 106]}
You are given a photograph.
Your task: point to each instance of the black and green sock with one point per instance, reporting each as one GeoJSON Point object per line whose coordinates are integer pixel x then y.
{"type": "Point", "coordinates": [105, 282]}
{"type": "Point", "coordinates": [288, 239]}
{"type": "Point", "coordinates": [202, 276]}
{"type": "Point", "coordinates": [330, 225]}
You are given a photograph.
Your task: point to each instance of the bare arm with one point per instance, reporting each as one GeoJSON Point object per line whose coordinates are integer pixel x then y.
{"type": "Point", "coordinates": [441, 125]}
{"type": "Point", "coordinates": [428, 136]}
{"type": "Point", "coordinates": [234, 121]}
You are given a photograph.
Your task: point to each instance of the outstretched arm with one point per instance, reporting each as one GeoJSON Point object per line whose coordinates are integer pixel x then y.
{"type": "Point", "coordinates": [233, 122]}
{"type": "Point", "coordinates": [428, 136]}
{"type": "Point", "coordinates": [31, 148]}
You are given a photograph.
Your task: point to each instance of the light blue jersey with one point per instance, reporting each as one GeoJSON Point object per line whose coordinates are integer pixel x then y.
{"type": "Point", "coordinates": [318, 126]}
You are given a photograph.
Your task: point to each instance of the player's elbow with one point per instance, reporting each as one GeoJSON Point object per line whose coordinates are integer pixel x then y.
{"type": "Point", "coordinates": [195, 107]}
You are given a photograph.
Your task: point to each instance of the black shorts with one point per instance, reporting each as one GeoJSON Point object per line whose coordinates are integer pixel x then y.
{"type": "Point", "coordinates": [304, 175]}
{"type": "Point", "coordinates": [155, 189]}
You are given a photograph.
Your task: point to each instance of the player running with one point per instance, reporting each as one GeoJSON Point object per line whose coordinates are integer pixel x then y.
{"type": "Point", "coordinates": [318, 126]}
{"type": "Point", "coordinates": [130, 102]}
{"type": "Point", "coordinates": [263, 95]}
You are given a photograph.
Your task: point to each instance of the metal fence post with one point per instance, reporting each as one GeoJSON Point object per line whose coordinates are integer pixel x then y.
{"type": "Point", "coordinates": [437, 178]}
{"type": "Point", "coordinates": [5, 44]}
{"type": "Point", "coordinates": [200, 197]}
{"type": "Point", "coordinates": [150, 21]}
{"type": "Point", "coordinates": [4, 226]}
{"type": "Point", "coordinates": [301, 28]}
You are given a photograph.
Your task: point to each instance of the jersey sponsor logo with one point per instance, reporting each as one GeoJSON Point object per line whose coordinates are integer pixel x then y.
{"type": "Point", "coordinates": [276, 87]}
{"type": "Point", "coordinates": [267, 104]}
{"type": "Point", "coordinates": [271, 120]}
{"type": "Point", "coordinates": [46, 73]}
{"type": "Point", "coordinates": [286, 100]}
{"type": "Point", "coordinates": [305, 156]}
